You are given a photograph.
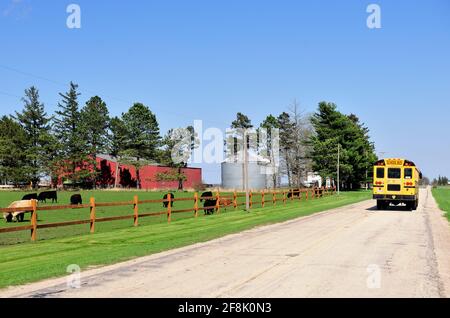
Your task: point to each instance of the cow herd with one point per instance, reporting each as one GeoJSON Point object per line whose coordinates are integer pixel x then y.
{"type": "Point", "coordinates": [42, 197]}
{"type": "Point", "coordinates": [51, 195]}
{"type": "Point", "coordinates": [297, 193]}
{"type": "Point", "coordinates": [208, 199]}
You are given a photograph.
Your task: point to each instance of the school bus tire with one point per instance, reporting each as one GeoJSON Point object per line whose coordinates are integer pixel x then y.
{"type": "Point", "coordinates": [381, 205]}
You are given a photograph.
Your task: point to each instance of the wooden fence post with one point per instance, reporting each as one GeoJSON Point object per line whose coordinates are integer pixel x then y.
{"type": "Point", "coordinates": [169, 208]}
{"type": "Point", "coordinates": [284, 197]}
{"type": "Point", "coordinates": [92, 202]}
{"type": "Point", "coordinates": [307, 194]}
{"type": "Point", "coordinates": [196, 204]}
{"type": "Point", "coordinates": [34, 220]}
{"type": "Point", "coordinates": [251, 199]}
{"type": "Point", "coordinates": [136, 211]}
{"type": "Point", "coordinates": [274, 198]}
{"type": "Point", "coordinates": [235, 199]}
{"type": "Point", "coordinates": [218, 202]}
{"type": "Point", "coordinates": [263, 199]}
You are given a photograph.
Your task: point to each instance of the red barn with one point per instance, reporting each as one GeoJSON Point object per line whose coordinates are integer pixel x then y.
{"type": "Point", "coordinates": [148, 175]}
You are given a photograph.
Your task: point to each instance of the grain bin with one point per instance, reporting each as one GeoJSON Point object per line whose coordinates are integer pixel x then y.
{"type": "Point", "coordinates": [232, 172]}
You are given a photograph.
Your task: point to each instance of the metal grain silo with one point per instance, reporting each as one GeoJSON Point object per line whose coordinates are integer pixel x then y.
{"type": "Point", "coordinates": [232, 173]}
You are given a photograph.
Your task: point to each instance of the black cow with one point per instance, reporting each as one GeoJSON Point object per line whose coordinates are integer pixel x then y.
{"type": "Point", "coordinates": [210, 202]}
{"type": "Point", "coordinates": [166, 203]}
{"type": "Point", "coordinates": [31, 196]}
{"type": "Point", "coordinates": [294, 192]}
{"type": "Point", "coordinates": [76, 199]}
{"type": "Point", "coordinates": [44, 196]}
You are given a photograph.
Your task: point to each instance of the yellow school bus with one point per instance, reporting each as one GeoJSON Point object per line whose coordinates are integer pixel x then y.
{"type": "Point", "coordinates": [396, 181]}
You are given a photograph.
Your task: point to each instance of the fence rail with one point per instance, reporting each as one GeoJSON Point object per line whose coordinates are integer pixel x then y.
{"type": "Point", "coordinates": [232, 201]}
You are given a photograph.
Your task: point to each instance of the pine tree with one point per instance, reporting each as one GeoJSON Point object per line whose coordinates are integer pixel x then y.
{"type": "Point", "coordinates": [269, 124]}
{"type": "Point", "coordinates": [242, 121]}
{"type": "Point", "coordinates": [118, 137]}
{"type": "Point", "coordinates": [332, 130]}
{"type": "Point", "coordinates": [73, 159]}
{"type": "Point", "coordinates": [36, 124]}
{"type": "Point", "coordinates": [240, 125]}
{"type": "Point", "coordinates": [362, 152]}
{"type": "Point", "coordinates": [13, 159]}
{"type": "Point", "coordinates": [142, 137]}
{"type": "Point", "coordinates": [94, 125]}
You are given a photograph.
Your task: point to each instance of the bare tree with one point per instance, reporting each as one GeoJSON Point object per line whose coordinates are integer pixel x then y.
{"type": "Point", "coordinates": [299, 163]}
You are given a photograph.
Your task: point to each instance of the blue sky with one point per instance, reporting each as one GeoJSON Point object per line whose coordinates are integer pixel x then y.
{"type": "Point", "coordinates": [208, 60]}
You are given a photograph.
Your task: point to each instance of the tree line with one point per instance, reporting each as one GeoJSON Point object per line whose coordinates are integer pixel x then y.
{"type": "Point", "coordinates": [440, 181]}
{"type": "Point", "coordinates": [309, 143]}
{"type": "Point", "coordinates": [34, 145]}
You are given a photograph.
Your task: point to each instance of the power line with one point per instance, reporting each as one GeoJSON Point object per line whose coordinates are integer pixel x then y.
{"type": "Point", "coordinates": [10, 95]}
{"type": "Point", "coordinates": [160, 109]}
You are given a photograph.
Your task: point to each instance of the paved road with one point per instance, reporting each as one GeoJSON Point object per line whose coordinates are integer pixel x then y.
{"type": "Point", "coordinates": [355, 251]}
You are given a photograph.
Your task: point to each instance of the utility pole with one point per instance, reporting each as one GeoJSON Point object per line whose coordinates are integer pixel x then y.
{"type": "Point", "coordinates": [247, 194]}
{"type": "Point", "coordinates": [338, 168]}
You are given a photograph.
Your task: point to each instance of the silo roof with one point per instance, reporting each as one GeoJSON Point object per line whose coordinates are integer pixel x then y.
{"type": "Point", "coordinates": [252, 157]}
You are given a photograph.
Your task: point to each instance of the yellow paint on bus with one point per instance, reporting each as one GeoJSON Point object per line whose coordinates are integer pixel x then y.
{"type": "Point", "coordinates": [396, 181]}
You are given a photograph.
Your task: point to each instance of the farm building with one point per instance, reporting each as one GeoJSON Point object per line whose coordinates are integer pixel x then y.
{"type": "Point", "coordinates": [126, 175]}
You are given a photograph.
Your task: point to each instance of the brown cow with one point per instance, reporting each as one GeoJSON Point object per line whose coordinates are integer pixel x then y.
{"type": "Point", "coordinates": [224, 202]}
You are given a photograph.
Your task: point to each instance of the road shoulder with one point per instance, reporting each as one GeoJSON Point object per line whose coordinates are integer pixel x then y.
{"type": "Point", "coordinates": [440, 228]}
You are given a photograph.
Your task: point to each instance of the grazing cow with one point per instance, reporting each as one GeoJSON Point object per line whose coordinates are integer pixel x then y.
{"type": "Point", "coordinates": [31, 196]}
{"type": "Point", "coordinates": [210, 202]}
{"type": "Point", "coordinates": [294, 192]}
{"type": "Point", "coordinates": [166, 203]}
{"type": "Point", "coordinates": [43, 196]}
{"type": "Point", "coordinates": [76, 199]}
{"type": "Point", "coordinates": [208, 195]}
{"type": "Point", "coordinates": [19, 215]}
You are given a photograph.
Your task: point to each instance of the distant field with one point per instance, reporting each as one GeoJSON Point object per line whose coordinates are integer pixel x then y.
{"type": "Point", "coordinates": [115, 242]}
{"type": "Point", "coordinates": [442, 196]}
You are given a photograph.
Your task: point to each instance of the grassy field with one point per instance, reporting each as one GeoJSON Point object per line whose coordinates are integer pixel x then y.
{"type": "Point", "coordinates": [442, 196]}
{"type": "Point", "coordinates": [83, 214]}
{"type": "Point", "coordinates": [28, 262]}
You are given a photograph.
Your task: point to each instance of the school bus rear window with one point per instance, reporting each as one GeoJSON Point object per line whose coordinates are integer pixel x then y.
{"type": "Point", "coordinates": [380, 173]}
{"type": "Point", "coordinates": [394, 173]}
{"type": "Point", "coordinates": [408, 173]}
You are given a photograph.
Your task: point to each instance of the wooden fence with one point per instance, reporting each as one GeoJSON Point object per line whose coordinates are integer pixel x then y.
{"type": "Point", "coordinates": [223, 201]}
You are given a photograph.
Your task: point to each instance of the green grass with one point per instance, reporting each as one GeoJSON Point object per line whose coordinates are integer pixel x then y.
{"type": "Point", "coordinates": [442, 196]}
{"type": "Point", "coordinates": [29, 262]}
{"type": "Point", "coordinates": [6, 197]}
